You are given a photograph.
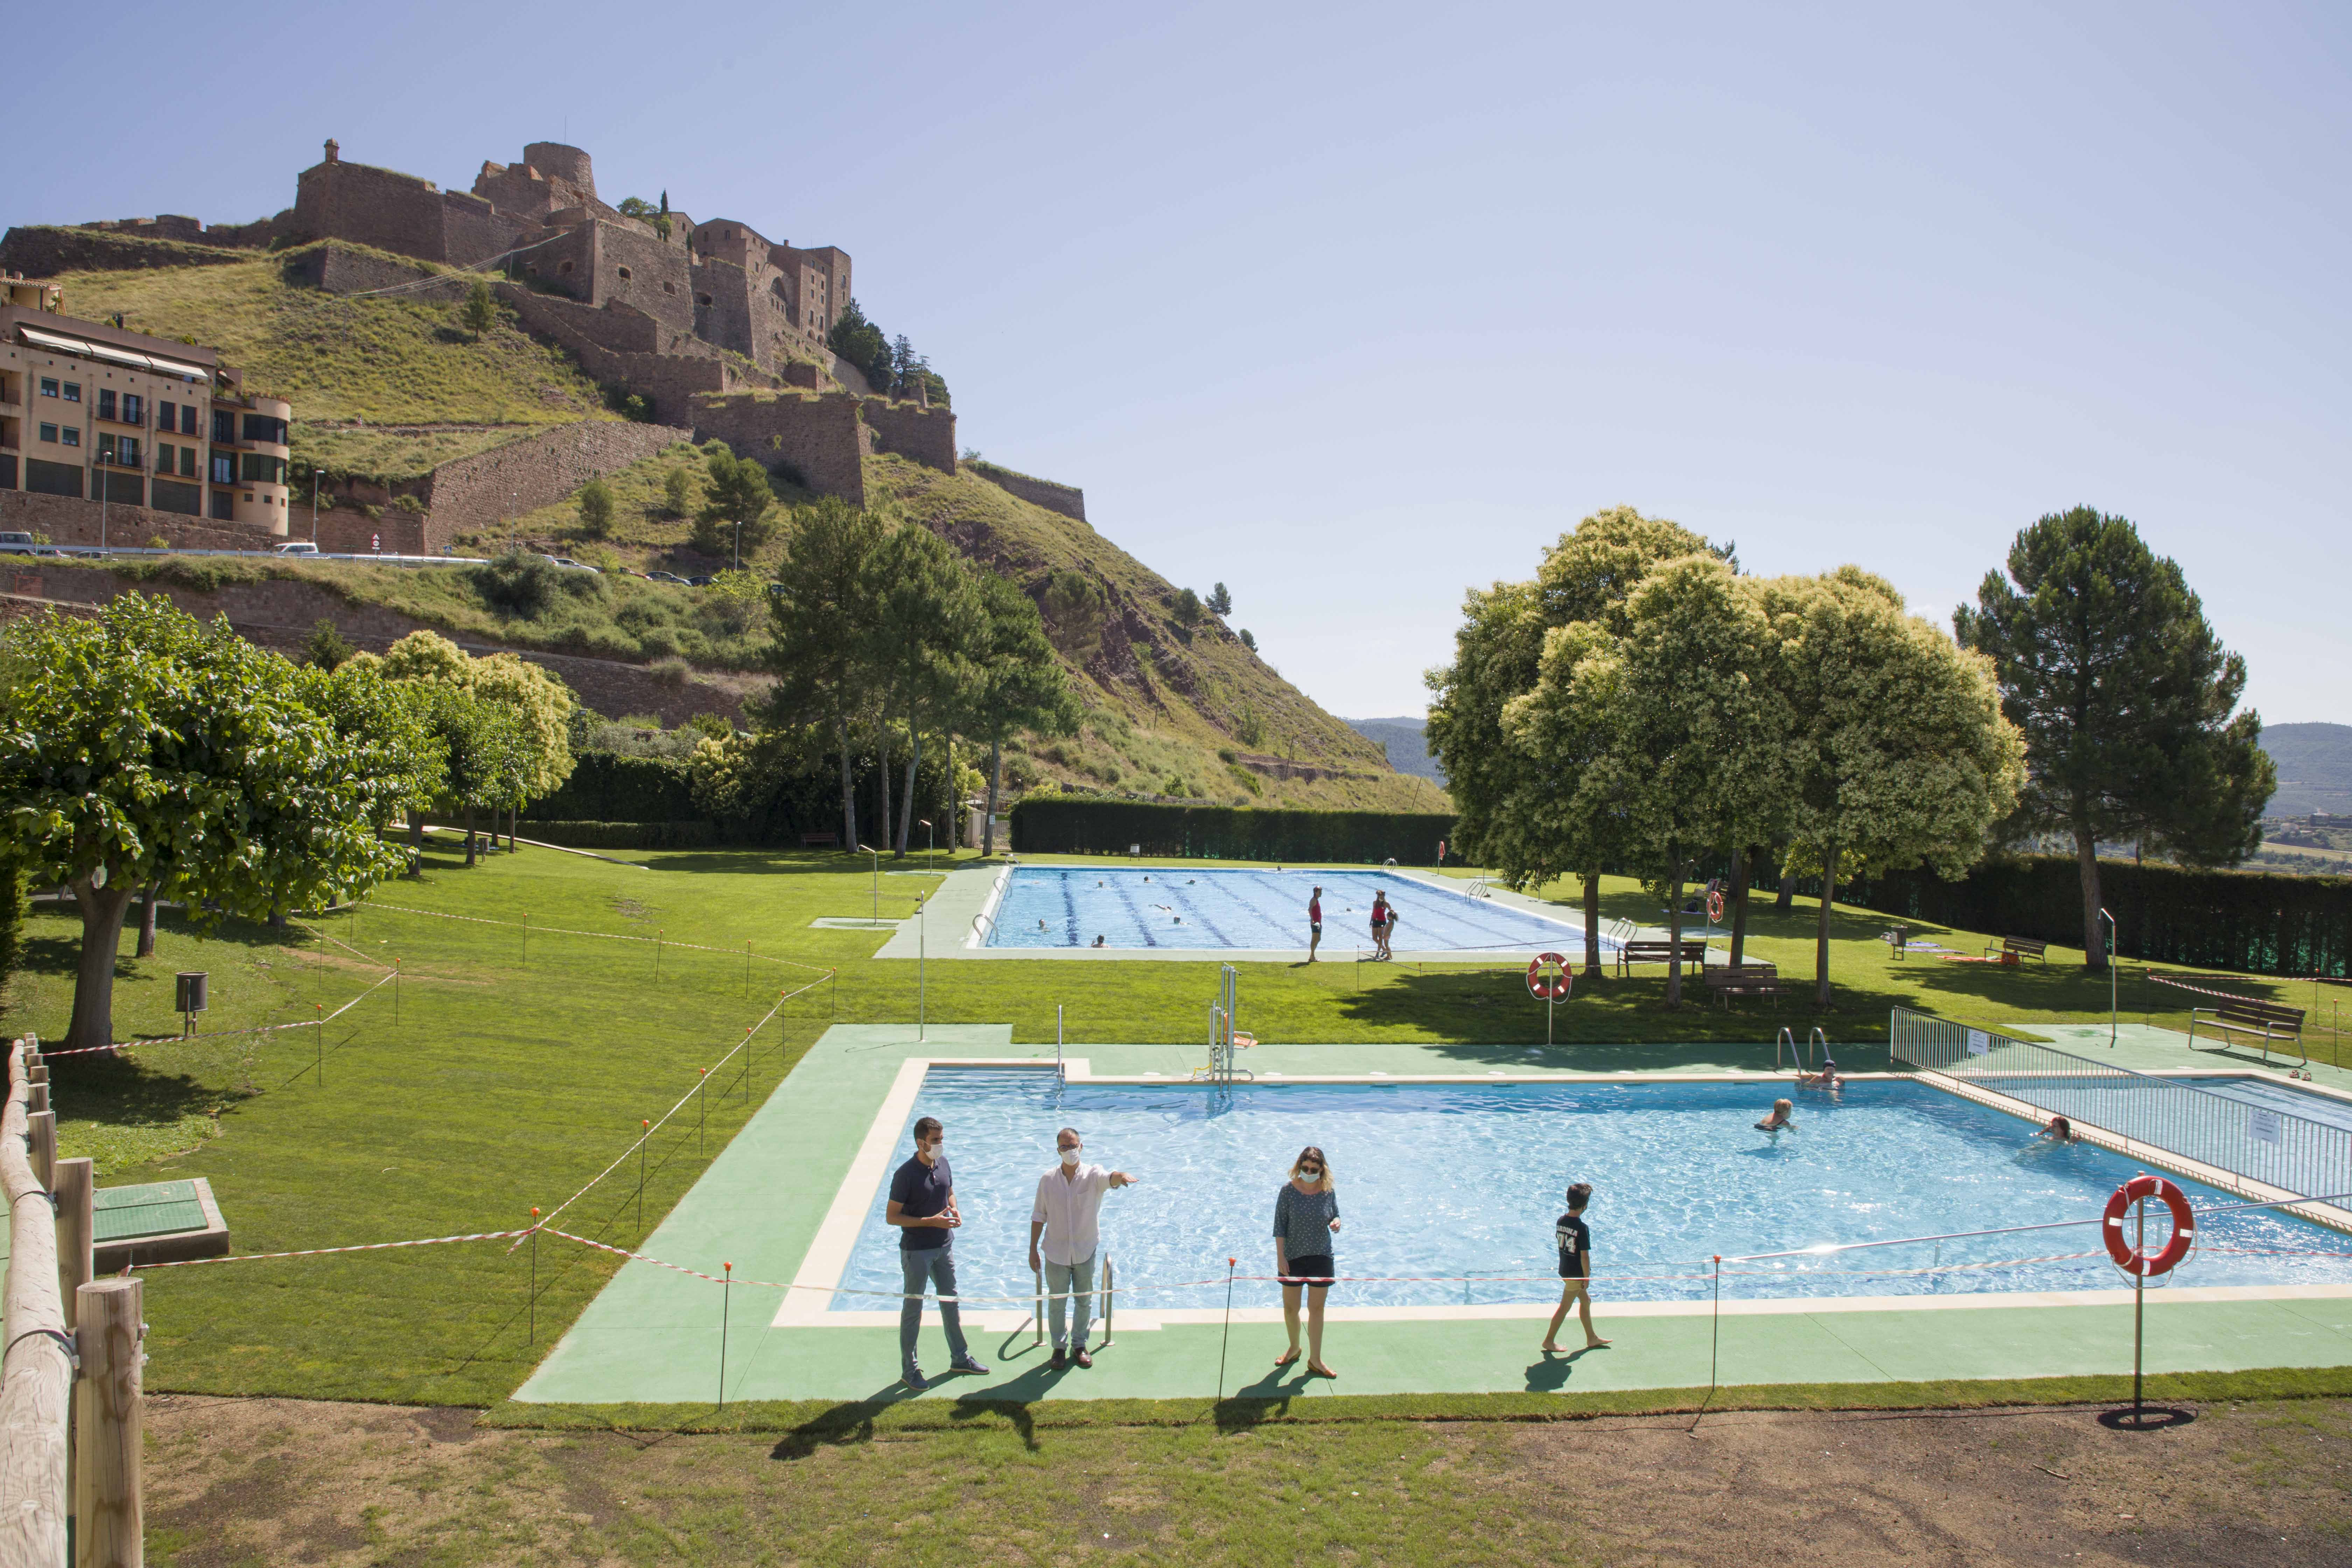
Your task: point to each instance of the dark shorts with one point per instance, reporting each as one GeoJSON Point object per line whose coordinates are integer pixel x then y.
{"type": "Point", "coordinates": [1315, 928]}
{"type": "Point", "coordinates": [1313, 1272]}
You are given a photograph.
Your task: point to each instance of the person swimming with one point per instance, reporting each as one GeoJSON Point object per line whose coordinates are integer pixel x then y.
{"type": "Point", "coordinates": [2060, 1131]}
{"type": "Point", "coordinates": [1828, 1078]}
{"type": "Point", "coordinates": [1098, 942]}
{"type": "Point", "coordinates": [1781, 1120]}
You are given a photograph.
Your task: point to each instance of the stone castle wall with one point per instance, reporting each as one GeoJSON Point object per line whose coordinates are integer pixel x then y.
{"type": "Point", "coordinates": [670, 380]}
{"type": "Point", "coordinates": [334, 270]}
{"type": "Point", "coordinates": [1068, 500]}
{"type": "Point", "coordinates": [913, 430]}
{"type": "Point", "coordinates": [471, 495]}
{"type": "Point", "coordinates": [40, 250]}
{"type": "Point", "coordinates": [820, 435]}
{"type": "Point", "coordinates": [280, 613]}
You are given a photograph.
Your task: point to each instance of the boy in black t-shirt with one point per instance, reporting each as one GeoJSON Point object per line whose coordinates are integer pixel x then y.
{"type": "Point", "coordinates": [1575, 1269]}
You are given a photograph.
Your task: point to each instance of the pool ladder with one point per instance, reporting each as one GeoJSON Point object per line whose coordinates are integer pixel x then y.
{"type": "Point", "coordinates": [1818, 1042]}
{"type": "Point", "coordinates": [1221, 1051]}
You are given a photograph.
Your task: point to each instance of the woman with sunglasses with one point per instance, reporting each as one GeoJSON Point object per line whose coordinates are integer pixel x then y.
{"type": "Point", "coordinates": [1305, 1218]}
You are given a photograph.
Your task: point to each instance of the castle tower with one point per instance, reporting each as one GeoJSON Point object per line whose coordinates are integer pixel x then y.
{"type": "Point", "coordinates": [557, 162]}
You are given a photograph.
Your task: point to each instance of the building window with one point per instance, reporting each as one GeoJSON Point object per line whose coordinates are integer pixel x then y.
{"type": "Point", "coordinates": [260, 468]}
{"type": "Point", "coordinates": [164, 419]}
{"type": "Point", "coordinates": [224, 427]}
{"type": "Point", "coordinates": [106, 403]}
{"type": "Point", "coordinates": [224, 468]}
{"type": "Point", "coordinates": [49, 432]}
{"type": "Point", "coordinates": [162, 457]}
{"type": "Point", "coordinates": [669, 287]}
{"type": "Point", "coordinates": [49, 386]}
{"type": "Point", "coordinates": [623, 272]}
{"type": "Point", "coordinates": [188, 419]}
{"type": "Point", "coordinates": [564, 266]}
{"type": "Point", "coordinates": [263, 428]}
{"type": "Point", "coordinates": [72, 436]}
{"type": "Point", "coordinates": [73, 392]}
{"type": "Point", "coordinates": [134, 408]}
{"type": "Point", "coordinates": [187, 462]}
{"type": "Point", "coordinates": [121, 450]}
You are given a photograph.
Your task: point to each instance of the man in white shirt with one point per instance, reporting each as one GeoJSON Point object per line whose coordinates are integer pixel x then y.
{"type": "Point", "coordinates": [1063, 1238]}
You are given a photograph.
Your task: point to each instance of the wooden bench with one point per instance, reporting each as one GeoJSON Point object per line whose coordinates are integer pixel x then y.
{"type": "Point", "coordinates": [817, 840]}
{"type": "Point", "coordinates": [1693, 953]}
{"type": "Point", "coordinates": [2012, 948]}
{"type": "Point", "coordinates": [2244, 1016]}
{"type": "Point", "coordinates": [1729, 980]}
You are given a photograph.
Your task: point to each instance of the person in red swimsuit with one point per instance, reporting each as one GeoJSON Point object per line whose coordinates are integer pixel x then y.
{"type": "Point", "coordinates": [1380, 924]}
{"type": "Point", "coordinates": [1314, 923]}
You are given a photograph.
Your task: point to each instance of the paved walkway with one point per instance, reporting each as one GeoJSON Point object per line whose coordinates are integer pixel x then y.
{"type": "Point", "coordinates": [653, 1334]}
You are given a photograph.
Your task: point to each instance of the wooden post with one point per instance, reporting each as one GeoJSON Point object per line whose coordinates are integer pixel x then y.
{"type": "Point", "coordinates": [77, 1229]}
{"type": "Point", "coordinates": [41, 1132]}
{"type": "Point", "coordinates": [35, 1367]}
{"type": "Point", "coordinates": [108, 1521]}
{"type": "Point", "coordinates": [40, 1098]}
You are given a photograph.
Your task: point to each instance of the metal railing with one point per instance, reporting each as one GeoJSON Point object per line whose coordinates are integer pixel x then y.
{"type": "Point", "coordinates": [2280, 1148]}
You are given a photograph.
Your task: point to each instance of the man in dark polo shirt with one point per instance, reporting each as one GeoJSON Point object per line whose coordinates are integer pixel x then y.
{"type": "Point", "coordinates": [922, 1205]}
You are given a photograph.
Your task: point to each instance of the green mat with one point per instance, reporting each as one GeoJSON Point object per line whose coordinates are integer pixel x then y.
{"type": "Point", "coordinates": [157, 1208]}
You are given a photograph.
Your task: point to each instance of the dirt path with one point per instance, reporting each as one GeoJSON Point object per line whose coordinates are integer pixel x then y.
{"type": "Point", "coordinates": [275, 1481]}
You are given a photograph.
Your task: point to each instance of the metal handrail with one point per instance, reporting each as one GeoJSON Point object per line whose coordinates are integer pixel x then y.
{"type": "Point", "coordinates": [981, 938]}
{"type": "Point", "coordinates": [1788, 1039]}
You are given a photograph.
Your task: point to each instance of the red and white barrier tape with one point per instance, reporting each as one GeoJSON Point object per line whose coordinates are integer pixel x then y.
{"type": "Point", "coordinates": [230, 1034]}
{"type": "Point", "coordinates": [324, 1251]}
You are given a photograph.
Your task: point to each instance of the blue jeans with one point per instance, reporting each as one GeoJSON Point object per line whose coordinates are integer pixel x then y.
{"type": "Point", "coordinates": [1060, 1279]}
{"type": "Point", "coordinates": [932, 1266]}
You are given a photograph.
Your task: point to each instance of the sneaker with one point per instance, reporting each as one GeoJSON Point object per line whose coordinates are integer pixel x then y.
{"type": "Point", "coordinates": [965, 1363]}
{"type": "Point", "coordinates": [914, 1379]}
{"type": "Point", "coordinates": [1081, 1357]}
{"type": "Point", "coordinates": [1061, 1358]}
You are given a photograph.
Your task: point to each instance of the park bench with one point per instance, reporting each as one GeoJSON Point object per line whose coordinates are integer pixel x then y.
{"type": "Point", "coordinates": [1693, 953]}
{"type": "Point", "coordinates": [2244, 1016]}
{"type": "Point", "coordinates": [2012, 948]}
{"type": "Point", "coordinates": [1729, 980]}
{"type": "Point", "coordinates": [817, 840]}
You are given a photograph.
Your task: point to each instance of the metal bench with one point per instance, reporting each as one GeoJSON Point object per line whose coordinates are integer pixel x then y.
{"type": "Point", "coordinates": [1729, 980]}
{"type": "Point", "coordinates": [1693, 953]}
{"type": "Point", "coordinates": [2244, 1016]}
{"type": "Point", "coordinates": [2012, 948]}
{"type": "Point", "coordinates": [817, 840]}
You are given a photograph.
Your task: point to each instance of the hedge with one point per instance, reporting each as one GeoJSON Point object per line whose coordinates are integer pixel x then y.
{"type": "Point", "coordinates": [1080, 824]}
{"type": "Point", "coordinates": [2254, 923]}
{"type": "Point", "coordinates": [625, 834]}
{"type": "Point", "coordinates": [607, 786]}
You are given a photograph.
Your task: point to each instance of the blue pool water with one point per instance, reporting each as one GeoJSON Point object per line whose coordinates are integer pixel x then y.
{"type": "Point", "coordinates": [2324, 1108]}
{"type": "Point", "coordinates": [1069, 906]}
{"type": "Point", "coordinates": [1466, 1181]}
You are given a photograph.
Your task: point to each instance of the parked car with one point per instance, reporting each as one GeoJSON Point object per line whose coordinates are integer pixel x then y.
{"type": "Point", "coordinates": [568, 564]}
{"type": "Point", "coordinates": [11, 543]}
{"type": "Point", "coordinates": [698, 581]}
{"type": "Point", "coordinates": [295, 547]}
{"type": "Point", "coordinates": [665, 577]}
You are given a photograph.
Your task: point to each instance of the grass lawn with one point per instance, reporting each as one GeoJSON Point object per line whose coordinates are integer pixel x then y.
{"type": "Point", "coordinates": [515, 1071]}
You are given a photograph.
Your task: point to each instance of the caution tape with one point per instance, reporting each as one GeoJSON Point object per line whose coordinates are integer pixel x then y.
{"type": "Point", "coordinates": [606, 935]}
{"type": "Point", "coordinates": [326, 1251]}
{"type": "Point", "coordinates": [231, 1033]}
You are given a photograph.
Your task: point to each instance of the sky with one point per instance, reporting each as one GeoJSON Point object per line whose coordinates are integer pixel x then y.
{"type": "Point", "coordinates": [1355, 307]}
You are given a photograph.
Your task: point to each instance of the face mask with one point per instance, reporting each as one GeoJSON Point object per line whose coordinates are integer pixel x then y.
{"type": "Point", "coordinates": [1069, 1156]}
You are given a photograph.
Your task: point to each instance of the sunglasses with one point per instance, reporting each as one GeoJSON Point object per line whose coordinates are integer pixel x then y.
{"type": "Point", "coordinates": [1310, 1170]}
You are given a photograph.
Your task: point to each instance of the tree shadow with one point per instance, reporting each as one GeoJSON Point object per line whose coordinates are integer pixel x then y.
{"type": "Point", "coordinates": [117, 1091]}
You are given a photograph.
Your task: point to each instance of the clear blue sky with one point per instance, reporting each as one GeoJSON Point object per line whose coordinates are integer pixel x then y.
{"type": "Point", "coordinates": [1355, 306]}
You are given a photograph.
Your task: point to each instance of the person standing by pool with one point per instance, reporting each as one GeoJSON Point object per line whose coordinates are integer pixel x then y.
{"type": "Point", "coordinates": [1575, 1240]}
{"type": "Point", "coordinates": [1314, 922]}
{"type": "Point", "coordinates": [922, 1205]}
{"type": "Point", "coordinates": [1380, 924]}
{"type": "Point", "coordinates": [1387, 933]}
{"type": "Point", "coordinates": [1063, 1233]}
{"type": "Point", "coordinates": [1305, 1218]}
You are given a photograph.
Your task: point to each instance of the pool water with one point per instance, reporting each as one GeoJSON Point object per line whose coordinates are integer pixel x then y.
{"type": "Point", "coordinates": [1444, 1180]}
{"type": "Point", "coordinates": [1056, 906]}
{"type": "Point", "coordinates": [2323, 1107]}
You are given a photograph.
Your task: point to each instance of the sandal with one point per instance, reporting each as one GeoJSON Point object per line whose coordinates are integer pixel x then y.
{"type": "Point", "coordinates": [1317, 1369]}
{"type": "Point", "coordinates": [1286, 1359]}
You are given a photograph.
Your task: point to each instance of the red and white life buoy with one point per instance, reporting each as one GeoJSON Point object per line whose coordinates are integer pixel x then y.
{"type": "Point", "coordinates": [2132, 1259]}
{"type": "Point", "coordinates": [1548, 979]}
{"type": "Point", "coordinates": [1715, 904]}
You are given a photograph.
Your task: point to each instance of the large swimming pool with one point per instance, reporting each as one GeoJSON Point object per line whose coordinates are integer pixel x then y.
{"type": "Point", "coordinates": [1071, 906]}
{"type": "Point", "coordinates": [1448, 1181]}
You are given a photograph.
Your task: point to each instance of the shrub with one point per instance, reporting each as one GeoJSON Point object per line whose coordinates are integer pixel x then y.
{"type": "Point", "coordinates": [326, 647]}
{"type": "Point", "coordinates": [159, 543]}
{"type": "Point", "coordinates": [518, 582]}
{"type": "Point", "coordinates": [677, 492]}
{"type": "Point", "coordinates": [595, 510]}
{"type": "Point", "coordinates": [671, 672]}
{"type": "Point", "coordinates": [709, 724]}
{"type": "Point", "coordinates": [1187, 608]}
{"type": "Point", "coordinates": [408, 503]}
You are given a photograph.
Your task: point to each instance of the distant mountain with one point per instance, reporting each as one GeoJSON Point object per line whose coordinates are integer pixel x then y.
{"type": "Point", "coordinates": [2314, 768]}
{"type": "Point", "coordinates": [1408, 749]}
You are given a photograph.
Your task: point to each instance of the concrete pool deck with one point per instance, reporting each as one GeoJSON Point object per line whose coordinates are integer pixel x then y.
{"type": "Point", "coordinates": [773, 1204]}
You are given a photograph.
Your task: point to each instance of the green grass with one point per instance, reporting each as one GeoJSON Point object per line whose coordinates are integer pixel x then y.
{"type": "Point", "coordinates": [508, 1080]}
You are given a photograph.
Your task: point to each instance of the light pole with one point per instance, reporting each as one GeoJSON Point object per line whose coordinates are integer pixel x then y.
{"type": "Point", "coordinates": [2111, 978]}
{"type": "Point", "coordinates": [923, 908]}
{"type": "Point", "coordinates": [877, 881]}
{"type": "Point", "coordinates": [928, 836]}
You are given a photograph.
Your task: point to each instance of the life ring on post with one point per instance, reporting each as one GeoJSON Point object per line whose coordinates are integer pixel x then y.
{"type": "Point", "coordinates": [2132, 1259]}
{"type": "Point", "coordinates": [1715, 904]}
{"type": "Point", "coordinates": [1548, 979]}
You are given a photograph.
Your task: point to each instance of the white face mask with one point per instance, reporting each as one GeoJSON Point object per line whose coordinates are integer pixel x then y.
{"type": "Point", "coordinates": [1069, 1156]}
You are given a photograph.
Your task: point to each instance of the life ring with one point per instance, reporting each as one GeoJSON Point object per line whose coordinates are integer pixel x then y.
{"type": "Point", "coordinates": [2131, 1259]}
{"type": "Point", "coordinates": [1548, 979]}
{"type": "Point", "coordinates": [1715, 904]}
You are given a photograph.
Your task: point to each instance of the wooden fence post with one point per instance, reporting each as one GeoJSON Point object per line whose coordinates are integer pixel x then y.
{"type": "Point", "coordinates": [76, 1192]}
{"type": "Point", "coordinates": [108, 1521]}
{"type": "Point", "coordinates": [36, 1360]}
{"type": "Point", "coordinates": [41, 1133]}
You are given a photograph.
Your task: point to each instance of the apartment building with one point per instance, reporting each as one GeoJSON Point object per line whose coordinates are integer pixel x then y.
{"type": "Point", "coordinates": [94, 410]}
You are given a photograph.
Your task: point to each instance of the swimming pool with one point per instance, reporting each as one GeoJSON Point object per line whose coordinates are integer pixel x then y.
{"type": "Point", "coordinates": [1450, 1181]}
{"type": "Point", "coordinates": [1070, 906]}
{"type": "Point", "coordinates": [2269, 1096]}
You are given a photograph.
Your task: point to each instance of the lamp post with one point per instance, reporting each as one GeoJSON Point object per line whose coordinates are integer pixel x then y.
{"type": "Point", "coordinates": [923, 908]}
{"type": "Point", "coordinates": [2111, 978]}
{"type": "Point", "coordinates": [928, 836]}
{"type": "Point", "coordinates": [862, 850]}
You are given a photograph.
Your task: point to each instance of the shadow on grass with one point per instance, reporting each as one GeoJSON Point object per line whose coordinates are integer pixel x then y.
{"type": "Point", "coordinates": [117, 1092]}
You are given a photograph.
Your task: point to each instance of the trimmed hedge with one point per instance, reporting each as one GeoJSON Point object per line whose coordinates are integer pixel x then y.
{"type": "Point", "coordinates": [1063, 825]}
{"type": "Point", "coordinates": [607, 787]}
{"type": "Point", "coordinates": [626, 834]}
{"type": "Point", "coordinates": [2251, 922]}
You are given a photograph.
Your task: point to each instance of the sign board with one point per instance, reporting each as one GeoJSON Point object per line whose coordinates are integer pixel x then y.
{"type": "Point", "coordinates": [2263, 1125]}
{"type": "Point", "coordinates": [1979, 1043]}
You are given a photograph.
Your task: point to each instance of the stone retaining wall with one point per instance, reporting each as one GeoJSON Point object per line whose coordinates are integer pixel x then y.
{"type": "Point", "coordinates": [472, 495]}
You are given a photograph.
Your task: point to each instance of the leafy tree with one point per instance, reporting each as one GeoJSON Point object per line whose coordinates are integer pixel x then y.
{"type": "Point", "coordinates": [825, 611]}
{"type": "Point", "coordinates": [142, 748]}
{"type": "Point", "coordinates": [925, 635]}
{"type": "Point", "coordinates": [637, 207]}
{"type": "Point", "coordinates": [595, 510]}
{"type": "Point", "coordinates": [861, 343]}
{"type": "Point", "coordinates": [2124, 698]}
{"type": "Point", "coordinates": [480, 310]}
{"type": "Point", "coordinates": [1899, 748]}
{"type": "Point", "coordinates": [1187, 606]}
{"type": "Point", "coordinates": [1221, 603]}
{"type": "Point", "coordinates": [326, 647]}
{"type": "Point", "coordinates": [736, 500]}
{"type": "Point", "coordinates": [1248, 641]}
{"type": "Point", "coordinates": [1017, 684]}
{"type": "Point", "coordinates": [677, 492]}
{"type": "Point", "coordinates": [530, 760]}
{"type": "Point", "coordinates": [1075, 606]}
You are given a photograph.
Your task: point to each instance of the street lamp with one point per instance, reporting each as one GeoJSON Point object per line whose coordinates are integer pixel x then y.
{"type": "Point", "coordinates": [862, 850]}
{"type": "Point", "coordinates": [923, 907]}
{"type": "Point", "coordinates": [927, 841]}
{"type": "Point", "coordinates": [2111, 978]}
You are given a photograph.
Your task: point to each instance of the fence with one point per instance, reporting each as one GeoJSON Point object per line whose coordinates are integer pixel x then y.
{"type": "Point", "coordinates": [2296, 1153]}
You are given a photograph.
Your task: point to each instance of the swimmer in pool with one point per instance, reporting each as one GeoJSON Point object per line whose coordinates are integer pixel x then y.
{"type": "Point", "coordinates": [2060, 1131]}
{"type": "Point", "coordinates": [1780, 1120]}
{"type": "Point", "coordinates": [1098, 942]}
{"type": "Point", "coordinates": [1828, 1078]}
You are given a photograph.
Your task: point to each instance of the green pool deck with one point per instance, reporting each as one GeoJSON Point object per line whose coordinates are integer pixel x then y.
{"type": "Point", "coordinates": [653, 1335]}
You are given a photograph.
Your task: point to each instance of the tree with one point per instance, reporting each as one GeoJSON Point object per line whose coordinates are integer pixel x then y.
{"type": "Point", "coordinates": [825, 611]}
{"type": "Point", "coordinates": [1221, 604]}
{"type": "Point", "coordinates": [926, 632]}
{"type": "Point", "coordinates": [1187, 606]}
{"type": "Point", "coordinates": [480, 310]}
{"type": "Point", "coordinates": [861, 343]}
{"type": "Point", "coordinates": [142, 748]}
{"type": "Point", "coordinates": [637, 207]}
{"type": "Point", "coordinates": [1899, 748]}
{"type": "Point", "coordinates": [538, 704]}
{"type": "Point", "coordinates": [677, 492]}
{"type": "Point", "coordinates": [595, 510]}
{"type": "Point", "coordinates": [1017, 684]}
{"type": "Point", "coordinates": [2125, 697]}
{"type": "Point", "coordinates": [737, 501]}
{"type": "Point", "coordinates": [1248, 641]}
{"type": "Point", "coordinates": [1075, 606]}
{"type": "Point", "coordinates": [326, 647]}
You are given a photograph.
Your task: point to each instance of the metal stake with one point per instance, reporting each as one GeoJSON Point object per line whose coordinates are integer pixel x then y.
{"type": "Point", "coordinates": [2140, 1298]}
{"type": "Point", "coordinates": [725, 1294]}
{"type": "Point", "coordinates": [647, 1132]}
{"type": "Point", "coordinates": [533, 1336]}
{"type": "Point", "coordinates": [701, 1107]}
{"type": "Point", "coordinates": [1229, 1262]}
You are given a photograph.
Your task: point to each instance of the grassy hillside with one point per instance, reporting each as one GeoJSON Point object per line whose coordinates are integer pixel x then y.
{"type": "Point", "coordinates": [352, 366]}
